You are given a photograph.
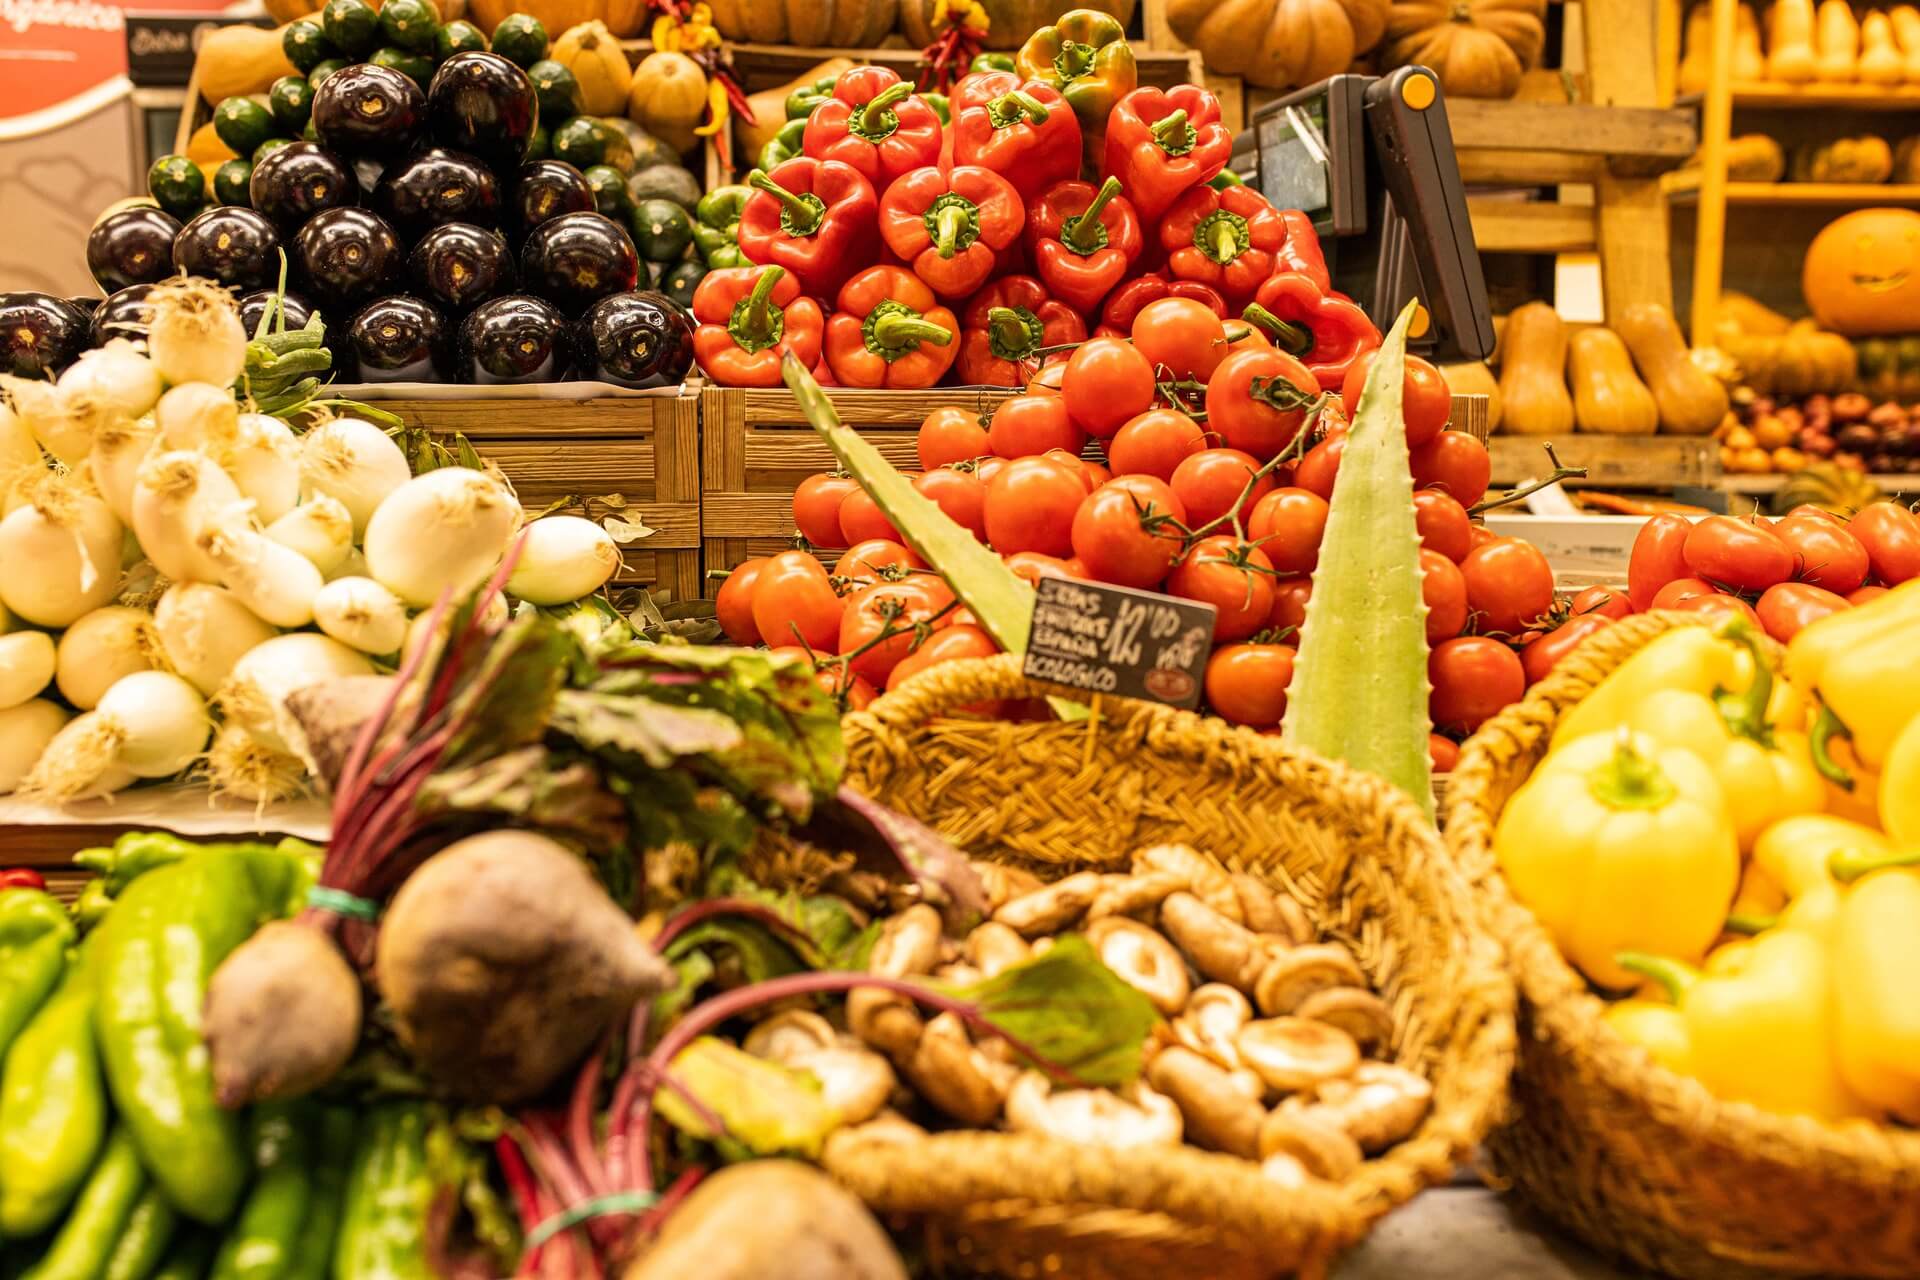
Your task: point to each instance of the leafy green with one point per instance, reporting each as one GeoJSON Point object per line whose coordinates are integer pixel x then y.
{"type": "Point", "coordinates": [692, 971]}
{"type": "Point", "coordinates": [537, 788]}
{"type": "Point", "coordinates": [1071, 1011]}
{"type": "Point", "coordinates": [767, 1109]}
{"type": "Point", "coordinates": [658, 733]}
{"type": "Point", "coordinates": [837, 940]}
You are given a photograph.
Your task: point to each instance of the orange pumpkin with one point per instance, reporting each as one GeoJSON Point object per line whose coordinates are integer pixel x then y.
{"type": "Point", "coordinates": [1861, 275]}
{"type": "Point", "coordinates": [1275, 44]}
{"type": "Point", "coordinates": [1012, 21]}
{"type": "Point", "coordinates": [1478, 48]}
{"type": "Point", "coordinates": [555, 15]}
{"type": "Point", "coordinates": [839, 24]}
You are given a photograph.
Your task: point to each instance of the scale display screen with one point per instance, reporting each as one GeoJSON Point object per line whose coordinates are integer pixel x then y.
{"type": "Point", "coordinates": [1294, 165]}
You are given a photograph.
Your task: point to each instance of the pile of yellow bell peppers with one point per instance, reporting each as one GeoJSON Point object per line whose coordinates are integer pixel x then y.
{"type": "Point", "coordinates": [1743, 846]}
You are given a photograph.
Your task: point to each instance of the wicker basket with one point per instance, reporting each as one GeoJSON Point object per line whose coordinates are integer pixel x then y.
{"type": "Point", "coordinates": [1639, 1161]}
{"type": "Point", "coordinates": [1358, 855]}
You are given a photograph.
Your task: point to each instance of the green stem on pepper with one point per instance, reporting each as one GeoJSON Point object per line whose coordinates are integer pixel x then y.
{"type": "Point", "coordinates": [1084, 233]}
{"type": "Point", "coordinates": [877, 119]}
{"type": "Point", "coordinates": [799, 215]}
{"type": "Point", "coordinates": [1294, 338]}
{"type": "Point", "coordinates": [1173, 134]}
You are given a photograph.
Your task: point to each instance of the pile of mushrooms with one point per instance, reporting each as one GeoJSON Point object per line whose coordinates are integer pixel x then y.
{"type": "Point", "coordinates": [1274, 1048]}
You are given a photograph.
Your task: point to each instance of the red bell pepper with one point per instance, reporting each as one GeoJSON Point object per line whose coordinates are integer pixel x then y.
{"type": "Point", "coordinates": [22, 878]}
{"type": "Point", "coordinates": [1124, 303]}
{"type": "Point", "coordinates": [1226, 239]}
{"type": "Point", "coordinates": [1003, 327]}
{"type": "Point", "coordinates": [816, 218]}
{"type": "Point", "coordinates": [1022, 130]}
{"type": "Point", "coordinates": [1083, 241]}
{"type": "Point", "coordinates": [951, 227]}
{"type": "Point", "coordinates": [749, 317]}
{"type": "Point", "coordinates": [1163, 144]}
{"type": "Point", "coordinates": [1327, 334]}
{"type": "Point", "coordinates": [876, 123]}
{"type": "Point", "coordinates": [890, 331]}
{"type": "Point", "coordinates": [1301, 252]}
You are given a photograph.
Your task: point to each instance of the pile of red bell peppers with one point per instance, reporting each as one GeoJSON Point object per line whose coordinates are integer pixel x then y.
{"type": "Point", "coordinates": [902, 249]}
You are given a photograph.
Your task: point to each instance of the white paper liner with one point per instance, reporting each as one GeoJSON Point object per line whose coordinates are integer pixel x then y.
{"type": "Point", "coordinates": [186, 809]}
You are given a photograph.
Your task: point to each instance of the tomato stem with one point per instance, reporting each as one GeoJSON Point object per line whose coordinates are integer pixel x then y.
{"type": "Point", "coordinates": [1560, 472]}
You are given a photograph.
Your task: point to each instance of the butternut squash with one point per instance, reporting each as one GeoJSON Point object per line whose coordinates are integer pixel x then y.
{"type": "Point", "coordinates": [598, 65]}
{"type": "Point", "coordinates": [1906, 34]}
{"type": "Point", "coordinates": [1755, 157]}
{"type": "Point", "coordinates": [1473, 378]}
{"type": "Point", "coordinates": [1790, 57]}
{"type": "Point", "coordinates": [1837, 31]}
{"type": "Point", "coordinates": [1608, 396]}
{"type": "Point", "coordinates": [1533, 361]}
{"type": "Point", "coordinates": [1690, 401]}
{"type": "Point", "coordinates": [1696, 59]}
{"type": "Point", "coordinates": [234, 61]}
{"type": "Point", "coordinates": [1863, 159]}
{"type": "Point", "coordinates": [1880, 61]}
{"type": "Point", "coordinates": [1906, 160]}
{"type": "Point", "coordinates": [1747, 314]}
{"type": "Point", "coordinates": [1749, 64]}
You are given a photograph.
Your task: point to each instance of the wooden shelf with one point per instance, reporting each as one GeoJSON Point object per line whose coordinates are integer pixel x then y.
{"type": "Point", "coordinates": [1685, 187]}
{"type": "Point", "coordinates": [1756, 484]}
{"type": "Point", "coordinates": [1843, 97]}
{"type": "Point", "coordinates": [1612, 462]}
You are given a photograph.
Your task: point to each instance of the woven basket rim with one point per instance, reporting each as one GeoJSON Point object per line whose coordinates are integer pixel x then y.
{"type": "Point", "coordinates": [1269, 1214]}
{"type": "Point", "coordinates": [1559, 998]}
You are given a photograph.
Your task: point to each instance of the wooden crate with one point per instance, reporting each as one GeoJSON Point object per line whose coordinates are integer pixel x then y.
{"type": "Point", "coordinates": [756, 447]}
{"type": "Point", "coordinates": [1612, 462]}
{"type": "Point", "coordinates": [645, 448]}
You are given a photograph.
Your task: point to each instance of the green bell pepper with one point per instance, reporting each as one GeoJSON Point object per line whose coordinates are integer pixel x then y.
{"type": "Point", "coordinates": [53, 1108]}
{"type": "Point", "coordinates": [264, 1240]}
{"type": "Point", "coordinates": [334, 1145]}
{"type": "Point", "coordinates": [34, 936]}
{"type": "Point", "coordinates": [143, 1240]}
{"type": "Point", "coordinates": [389, 1191]}
{"type": "Point", "coordinates": [1226, 179]}
{"type": "Point", "coordinates": [716, 226]}
{"type": "Point", "coordinates": [158, 949]}
{"type": "Point", "coordinates": [1087, 58]}
{"type": "Point", "coordinates": [802, 101]}
{"type": "Point", "coordinates": [991, 62]}
{"type": "Point", "coordinates": [86, 1240]}
{"type": "Point", "coordinates": [941, 106]}
{"type": "Point", "coordinates": [784, 145]}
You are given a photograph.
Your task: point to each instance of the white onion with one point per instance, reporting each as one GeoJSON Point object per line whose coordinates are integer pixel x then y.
{"type": "Point", "coordinates": [27, 661]}
{"type": "Point", "coordinates": [361, 613]}
{"type": "Point", "coordinates": [199, 417]}
{"type": "Point", "coordinates": [444, 530]}
{"type": "Point", "coordinates": [562, 559]}
{"type": "Point", "coordinates": [354, 461]}
{"type": "Point", "coordinates": [20, 458]}
{"type": "Point", "coordinates": [45, 415]}
{"type": "Point", "coordinates": [6, 619]}
{"type": "Point", "coordinates": [110, 385]}
{"type": "Point", "coordinates": [79, 762]}
{"type": "Point", "coordinates": [275, 582]}
{"type": "Point", "coordinates": [195, 333]}
{"type": "Point", "coordinates": [255, 694]}
{"type": "Point", "coordinates": [59, 555]}
{"type": "Point", "coordinates": [119, 451]}
{"type": "Point", "coordinates": [266, 465]}
{"type": "Point", "coordinates": [319, 529]}
{"type": "Point", "coordinates": [102, 647]}
{"type": "Point", "coordinates": [25, 731]}
{"type": "Point", "coordinates": [353, 566]}
{"type": "Point", "coordinates": [160, 721]}
{"type": "Point", "coordinates": [204, 630]}
{"type": "Point", "coordinates": [238, 766]}
{"type": "Point", "coordinates": [179, 496]}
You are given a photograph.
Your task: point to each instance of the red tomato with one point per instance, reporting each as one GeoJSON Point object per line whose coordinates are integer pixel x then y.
{"type": "Point", "coordinates": [1247, 683]}
{"type": "Point", "coordinates": [1545, 653]}
{"type": "Point", "coordinates": [1658, 557]}
{"type": "Point", "coordinates": [1786, 608]}
{"type": "Point", "coordinates": [1818, 513]}
{"type": "Point", "coordinates": [1106, 382]}
{"type": "Point", "coordinates": [1030, 507]}
{"type": "Point", "coordinates": [861, 518]}
{"type": "Point", "coordinates": [1182, 336]}
{"type": "Point", "coordinates": [1720, 606]}
{"type": "Point", "coordinates": [794, 602]}
{"type": "Point", "coordinates": [1209, 483]}
{"type": "Point", "coordinates": [1743, 556]}
{"type": "Point", "coordinates": [1079, 464]}
{"type": "Point", "coordinates": [1480, 537]}
{"type": "Point", "coordinates": [1607, 602]}
{"type": "Point", "coordinates": [1891, 535]}
{"type": "Point", "coordinates": [1443, 524]}
{"type": "Point", "coordinates": [859, 694]}
{"type": "Point", "coordinates": [1679, 591]}
{"type": "Point", "coordinates": [1025, 426]}
{"type": "Point", "coordinates": [1288, 524]}
{"type": "Point", "coordinates": [816, 507]}
{"type": "Point", "coordinates": [1155, 443]}
{"type": "Point", "coordinates": [1033, 566]}
{"type": "Point", "coordinates": [1317, 470]}
{"type": "Point", "coordinates": [1096, 472]}
{"type": "Point", "coordinates": [860, 564]}
{"type": "Point", "coordinates": [949, 644]}
{"type": "Point", "coordinates": [832, 676]}
{"type": "Point", "coordinates": [733, 603]}
{"type": "Point", "coordinates": [1509, 583]}
{"type": "Point", "coordinates": [1427, 401]}
{"type": "Point", "coordinates": [1443, 752]}
{"type": "Point", "coordinates": [961, 494]}
{"type": "Point", "coordinates": [1456, 462]}
{"type": "Point", "coordinates": [1126, 538]}
{"type": "Point", "coordinates": [989, 467]}
{"type": "Point", "coordinates": [1242, 593]}
{"type": "Point", "coordinates": [949, 435]}
{"type": "Point", "coordinates": [1253, 400]}
{"type": "Point", "coordinates": [1290, 597]}
{"type": "Point", "coordinates": [1473, 679]}
{"type": "Point", "coordinates": [1444, 588]}
{"type": "Point", "coordinates": [1828, 555]}
{"type": "Point", "coordinates": [1865, 594]}
{"type": "Point", "coordinates": [871, 613]}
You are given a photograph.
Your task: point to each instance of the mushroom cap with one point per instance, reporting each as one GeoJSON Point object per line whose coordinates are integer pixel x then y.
{"type": "Point", "coordinates": [1004, 883]}
{"type": "Point", "coordinates": [1323, 1150]}
{"type": "Point", "coordinates": [1214, 1014]}
{"type": "Point", "coordinates": [1095, 1117]}
{"type": "Point", "coordinates": [1290, 976]}
{"type": "Point", "coordinates": [856, 1082]}
{"type": "Point", "coordinates": [790, 1032]}
{"type": "Point", "coordinates": [1356, 1011]}
{"type": "Point", "coordinates": [1144, 960]}
{"type": "Point", "coordinates": [1129, 894]}
{"type": "Point", "coordinates": [1285, 1170]}
{"type": "Point", "coordinates": [993, 948]}
{"type": "Point", "coordinates": [1292, 1053]}
{"type": "Point", "coordinates": [1053, 908]}
{"type": "Point", "coordinates": [1218, 948]}
{"type": "Point", "coordinates": [909, 943]}
{"type": "Point", "coordinates": [1218, 1115]}
{"type": "Point", "coordinates": [885, 1020]}
{"type": "Point", "coordinates": [1381, 1104]}
{"type": "Point", "coordinates": [1206, 879]}
{"type": "Point", "coordinates": [954, 1076]}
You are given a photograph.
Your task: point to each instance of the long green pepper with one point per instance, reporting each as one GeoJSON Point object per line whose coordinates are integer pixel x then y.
{"type": "Point", "coordinates": [53, 1108]}
{"type": "Point", "coordinates": [34, 936]}
{"type": "Point", "coordinates": [188, 1255]}
{"type": "Point", "coordinates": [262, 1243]}
{"type": "Point", "coordinates": [143, 1240]}
{"type": "Point", "coordinates": [333, 1146]}
{"type": "Point", "coordinates": [389, 1191]}
{"type": "Point", "coordinates": [85, 1242]}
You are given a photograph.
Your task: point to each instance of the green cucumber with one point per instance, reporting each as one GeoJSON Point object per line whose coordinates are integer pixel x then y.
{"type": "Point", "coordinates": [291, 100]}
{"type": "Point", "coordinates": [558, 91]}
{"type": "Point", "coordinates": [178, 186]}
{"type": "Point", "coordinates": [352, 26]}
{"type": "Point", "coordinates": [306, 45]}
{"type": "Point", "coordinates": [458, 36]}
{"type": "Point", "coordinates": [410, 24]}
{"type": "Point", "coordinates": [242, 124]}
{"type": "Point", "coordinates": [520, 39]}
{"type": "Point", "coordinates": [230, 182]}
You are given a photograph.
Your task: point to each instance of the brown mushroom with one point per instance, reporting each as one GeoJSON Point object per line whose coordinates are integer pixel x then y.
{"type": "Point", "coordinates": [888, 1022]}
{"type": "Point", "coordinates": [889, 1126]}
{"type": "Point", "coordinates": [1292, 1053]}
{"type": "Point", "coordinates": [909, 943]}
{"type": "Point", "coordinates": [1268, 910]}
{"type": "Point", "coordinates": [1356, 1011]}
{"type": "Point", "coordinates": [1214, 1014]}
{"type": "Point", "coordinates": [1290, 976]}
{"type": "Point", "coordinates": [1097, 1117]}
{"type": "Point", "coordinates": [1219, 948]}
{"type": "Point", "coordinates": [1131, 895]}
{"type": "Point", "coordinates": [1051, 909]}
{"type": "Point", "coordinates": [1003, 883]}
{"type": "Point", "coordinates": [957, 974]}
{"type": "Point", "coordinates": [790, 1032]}
{"type": "Point", "coordinates": [1381, 1104]}
{"type": "Point", "coordinates": [1217, 1114]}
{"type": "Point", "coordinates": [956, 1077]}
{"type": "Point", "coordinates": [1321, 1149]}
{"type": "Point", "coordinates": [1142, 959]}
{"type": "Point", "coordinates": [1285, 1170]}
{"type": "Point", "coordinates": [993, 948]}
{"type": "Point", "coordinates": [1206, 879]}
{"type": "Point", "coordinates": [855, 1081]}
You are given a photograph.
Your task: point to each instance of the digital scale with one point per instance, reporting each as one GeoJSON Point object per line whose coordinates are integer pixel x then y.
{"type": "Point", "coordinates": [1370, 159]}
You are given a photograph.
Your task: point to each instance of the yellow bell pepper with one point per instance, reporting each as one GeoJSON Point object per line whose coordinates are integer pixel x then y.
{"type": "Point", "coordinates": [1693, 659]}
{"type": "Point", "coordinates": [1876, 962]}
{"type": "Point", "coordinates": [1762, 1029]}
{"type": "Point", "coordinates": [1859, 665]}
{"type": "Point", "coordinates": [1619, 843]}
{"type": "Point", "coordinates": [1900, 784]}
{"type": "Point", "coordinates": [1658, 1028]}
{"type": "Point", "coordinates": [1796, 854]}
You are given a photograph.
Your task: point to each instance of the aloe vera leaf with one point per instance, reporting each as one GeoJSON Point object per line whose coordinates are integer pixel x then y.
{"type": "Point", "coordinates": [1359, 690]}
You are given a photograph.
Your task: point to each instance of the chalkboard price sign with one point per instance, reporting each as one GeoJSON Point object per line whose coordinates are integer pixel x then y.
{"type": "Point", "coordinates": [1107, 639]}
